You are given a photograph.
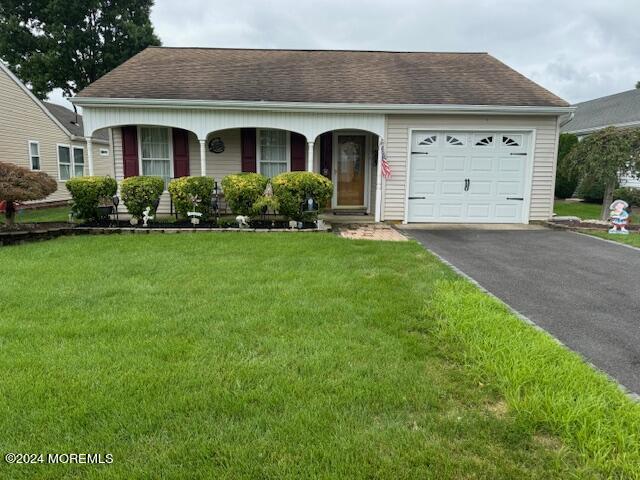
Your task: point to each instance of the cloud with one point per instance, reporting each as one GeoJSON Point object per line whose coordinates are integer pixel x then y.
{"type": "Point", "coordinates": [578, 49]}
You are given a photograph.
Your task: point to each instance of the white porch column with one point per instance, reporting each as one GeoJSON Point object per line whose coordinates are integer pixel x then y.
{"type": "Point", "coordinates": [310, 157]}
{"type": "Point", "coordinates": [378, 212]}
{"type": "Point", "coordinates": [90, 155]}
{"type": "Point", "coordinates": [203, 158]}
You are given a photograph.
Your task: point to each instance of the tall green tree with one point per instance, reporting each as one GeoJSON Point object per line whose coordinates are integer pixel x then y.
{"type": "Point", "coordinates": [68, 44]}
{"type": "Point", "coordinates": [606, 155]}
{"type": "Point", "coordinates": [566, 178]}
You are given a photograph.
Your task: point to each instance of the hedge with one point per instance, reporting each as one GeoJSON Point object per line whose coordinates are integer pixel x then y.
{"type": "Point", "coordinates": [88, 193]}
{"type": "Point", "coordinates": [138, 193]}
{"type": "Point", "coordinates": [292, 189]}
{"type": "Point", "coordinates": [191, 194]}
{"type": "Point", "coordinates": [243, 192]}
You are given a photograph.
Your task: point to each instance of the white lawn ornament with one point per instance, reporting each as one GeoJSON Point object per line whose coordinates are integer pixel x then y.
{"type": "Point", "coordinates": [146, 217]}
{"type": "Point", "coordinates": [320, 224]}
{"type": "Point", "coordinates": [195, 217]}
{"type": "Point", "coordinates": [243, 221]}
{"type": "Point", "coordinates": [293, 224]}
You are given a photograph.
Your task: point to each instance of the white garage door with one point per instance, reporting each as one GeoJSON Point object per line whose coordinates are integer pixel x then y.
{"type": "Point", "coordinates": [468, 176]}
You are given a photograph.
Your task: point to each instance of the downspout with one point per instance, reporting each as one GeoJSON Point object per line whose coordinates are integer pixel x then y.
{"type": "Point", "coordinates": [564, 122]}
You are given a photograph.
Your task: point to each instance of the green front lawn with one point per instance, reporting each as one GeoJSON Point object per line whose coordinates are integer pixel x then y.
{"type": "Point", "coordinates": [34, 215]}
{"type": "Point", "coordinates": [287, 356]}
{"type": "Point", "coordinates": [632, 239]}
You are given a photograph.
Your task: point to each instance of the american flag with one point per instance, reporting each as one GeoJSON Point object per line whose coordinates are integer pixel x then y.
{"type": "Point", "coordinates": [386, 169]}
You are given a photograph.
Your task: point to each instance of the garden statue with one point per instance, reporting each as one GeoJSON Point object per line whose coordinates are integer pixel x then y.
{"type": "Point", "coordinates": [146, 217]}
{"type": "Point", "coordinates": [293, 224]}
{"type": "Point", "coordinates": [619, 217]}
{"type": "Point", "coordinates": [194, 214]}
{"type": "Point", "coordinates": [243, 221]}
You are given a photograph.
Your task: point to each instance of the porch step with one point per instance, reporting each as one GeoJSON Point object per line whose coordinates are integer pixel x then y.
{"type": "Point", "coordinates": [350, 212]}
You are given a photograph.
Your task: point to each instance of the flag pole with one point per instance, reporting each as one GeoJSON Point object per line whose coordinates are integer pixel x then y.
{"type": "Point", "coordinates": [378, 212]}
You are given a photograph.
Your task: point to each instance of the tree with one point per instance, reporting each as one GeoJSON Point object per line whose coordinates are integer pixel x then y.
{"type": "Point", "coordinates": [19, 184]}
{"type": "Point", "coordinates": [606, 155]}
{"type": "Point", "coordinates": [566, 178]}
{"type": "Point", "coordinates": [638, 84]}
{"type": "Point", "coordinates": [69, 44]}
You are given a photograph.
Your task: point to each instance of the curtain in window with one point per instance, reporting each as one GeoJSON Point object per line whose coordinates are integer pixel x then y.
{"type": "Point", "coordinates": [78, 162]}
{"type": "Point", "coordinates": [156, 160]}
{"type": "Point", "coordinates": [273, 152]}
{"type": "Point", "coordinates": [34, 153]}
{"type": "Point", "coordinates": [64, 161]}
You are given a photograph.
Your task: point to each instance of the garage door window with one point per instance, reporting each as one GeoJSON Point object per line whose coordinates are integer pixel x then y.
{"type": "Point", "coordinates": [512, 140]}
{"type": "Point", "coordinates": [430, 140]}
{"type": "Point", "coordinates": [455, 141]}
{"type": "Point", "coordinates": [484, 141]}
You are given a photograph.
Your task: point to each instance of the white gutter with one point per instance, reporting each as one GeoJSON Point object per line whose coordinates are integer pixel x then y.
{"type": "Point", "coordinates": [381, 108]}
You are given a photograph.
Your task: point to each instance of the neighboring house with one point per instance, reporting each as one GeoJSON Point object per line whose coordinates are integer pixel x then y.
{"type": "Point", "coordinates": [467, 138]}
{"type": "Point", "coordinates": [46, 137]}
{"type": "Point", "coordinates": [618, 110]}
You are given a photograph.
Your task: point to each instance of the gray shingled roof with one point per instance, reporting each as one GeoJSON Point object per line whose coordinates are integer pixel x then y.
{"type": "Point", "coordinates": [320, 76]}
{"type": "Point", "coordinates": [621, 108]}
{"type": "Point", "coordinates": [68, 119]}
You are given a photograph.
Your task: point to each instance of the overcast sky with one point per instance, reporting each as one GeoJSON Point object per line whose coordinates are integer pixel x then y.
{"type": "Point", "coordinates": [578, 49]}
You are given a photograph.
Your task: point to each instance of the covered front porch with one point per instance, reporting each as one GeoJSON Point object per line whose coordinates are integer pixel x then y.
{"type": "Point", "coordinates": [342, 147]}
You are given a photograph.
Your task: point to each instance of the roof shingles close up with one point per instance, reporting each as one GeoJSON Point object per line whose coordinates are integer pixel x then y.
{"type": "Point", "coordinates": [320, 76]}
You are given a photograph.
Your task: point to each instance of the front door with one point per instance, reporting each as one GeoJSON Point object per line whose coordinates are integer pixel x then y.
{"type": "Point", "coordinates": [350, 170]}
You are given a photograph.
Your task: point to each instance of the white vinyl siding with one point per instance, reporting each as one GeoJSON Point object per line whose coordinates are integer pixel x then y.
{"type": "Point", "coordinates": [34, 155]}
{"type": "Point", "coordinates": [544, 153]}
{"type": "Point", "coordinates": [155, 152]}
{"type": "Point", "coordinates": [272, 152]}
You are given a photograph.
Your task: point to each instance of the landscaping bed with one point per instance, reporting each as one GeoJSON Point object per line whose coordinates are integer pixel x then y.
{"type": "Point", "coordinates": [580, 224]}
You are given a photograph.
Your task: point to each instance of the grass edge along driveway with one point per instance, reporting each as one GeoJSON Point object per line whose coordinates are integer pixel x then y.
{"type": "Point", "coordinates": [244, 355]}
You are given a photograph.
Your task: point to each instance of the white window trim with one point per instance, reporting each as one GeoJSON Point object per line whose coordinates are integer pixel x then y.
{"type": "Point", "coordinates": [72, 160]}
{"type": "Point", "coordinates": [287, 148]}
{"type": "Point", "coordinates": [171, 159]}
{"type": "Point", "coordinates": [29, 143]}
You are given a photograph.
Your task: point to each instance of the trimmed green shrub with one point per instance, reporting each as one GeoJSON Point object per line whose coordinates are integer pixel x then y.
{"type": "Point", "coordinates": [566, 178]}
{"type": "Point", "coordinates": [629, 195]}
{"type": "Point", "coordinates": [242, 191]}
{"type": "Point", "coordinates": [292, 189]}
{"type": "Point", "coordinates": [89, 193]}
{"type": "Point", "coordinates": [141, 192]}
{"type": "Point", "coordinates": [192, 194]}
{"type": "Point", "coordinates": [591, 190]}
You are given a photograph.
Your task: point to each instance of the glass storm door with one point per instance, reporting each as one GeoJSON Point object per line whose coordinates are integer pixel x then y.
{"type": "Point", "coordinates": [350, 170]}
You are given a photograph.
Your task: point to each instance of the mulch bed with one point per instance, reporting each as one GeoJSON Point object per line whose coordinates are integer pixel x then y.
{"type": "Point", "coordinates": [30, 232]}
{"type": "Point", "coordinates": [586, 225]}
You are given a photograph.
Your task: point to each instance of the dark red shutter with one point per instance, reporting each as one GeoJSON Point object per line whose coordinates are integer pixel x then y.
{"type": "Point", "coordinates": [180, 153]}
{"type": "Point", "coordinates": [326, 153]}
{"type": "Point", "coordinates": [130, 151]}
{"type": "Point", "coordinates": [248, 149]}
{"type": "Point", "coordinates": [298, 152]}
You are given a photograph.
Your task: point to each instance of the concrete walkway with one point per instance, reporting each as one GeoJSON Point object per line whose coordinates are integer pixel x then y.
{"type": "Point", "coordinates": [582, 290]}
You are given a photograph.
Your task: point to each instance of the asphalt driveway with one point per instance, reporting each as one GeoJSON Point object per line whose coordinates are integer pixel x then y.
{"type": "Point", "coordinates": [584, 291]}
